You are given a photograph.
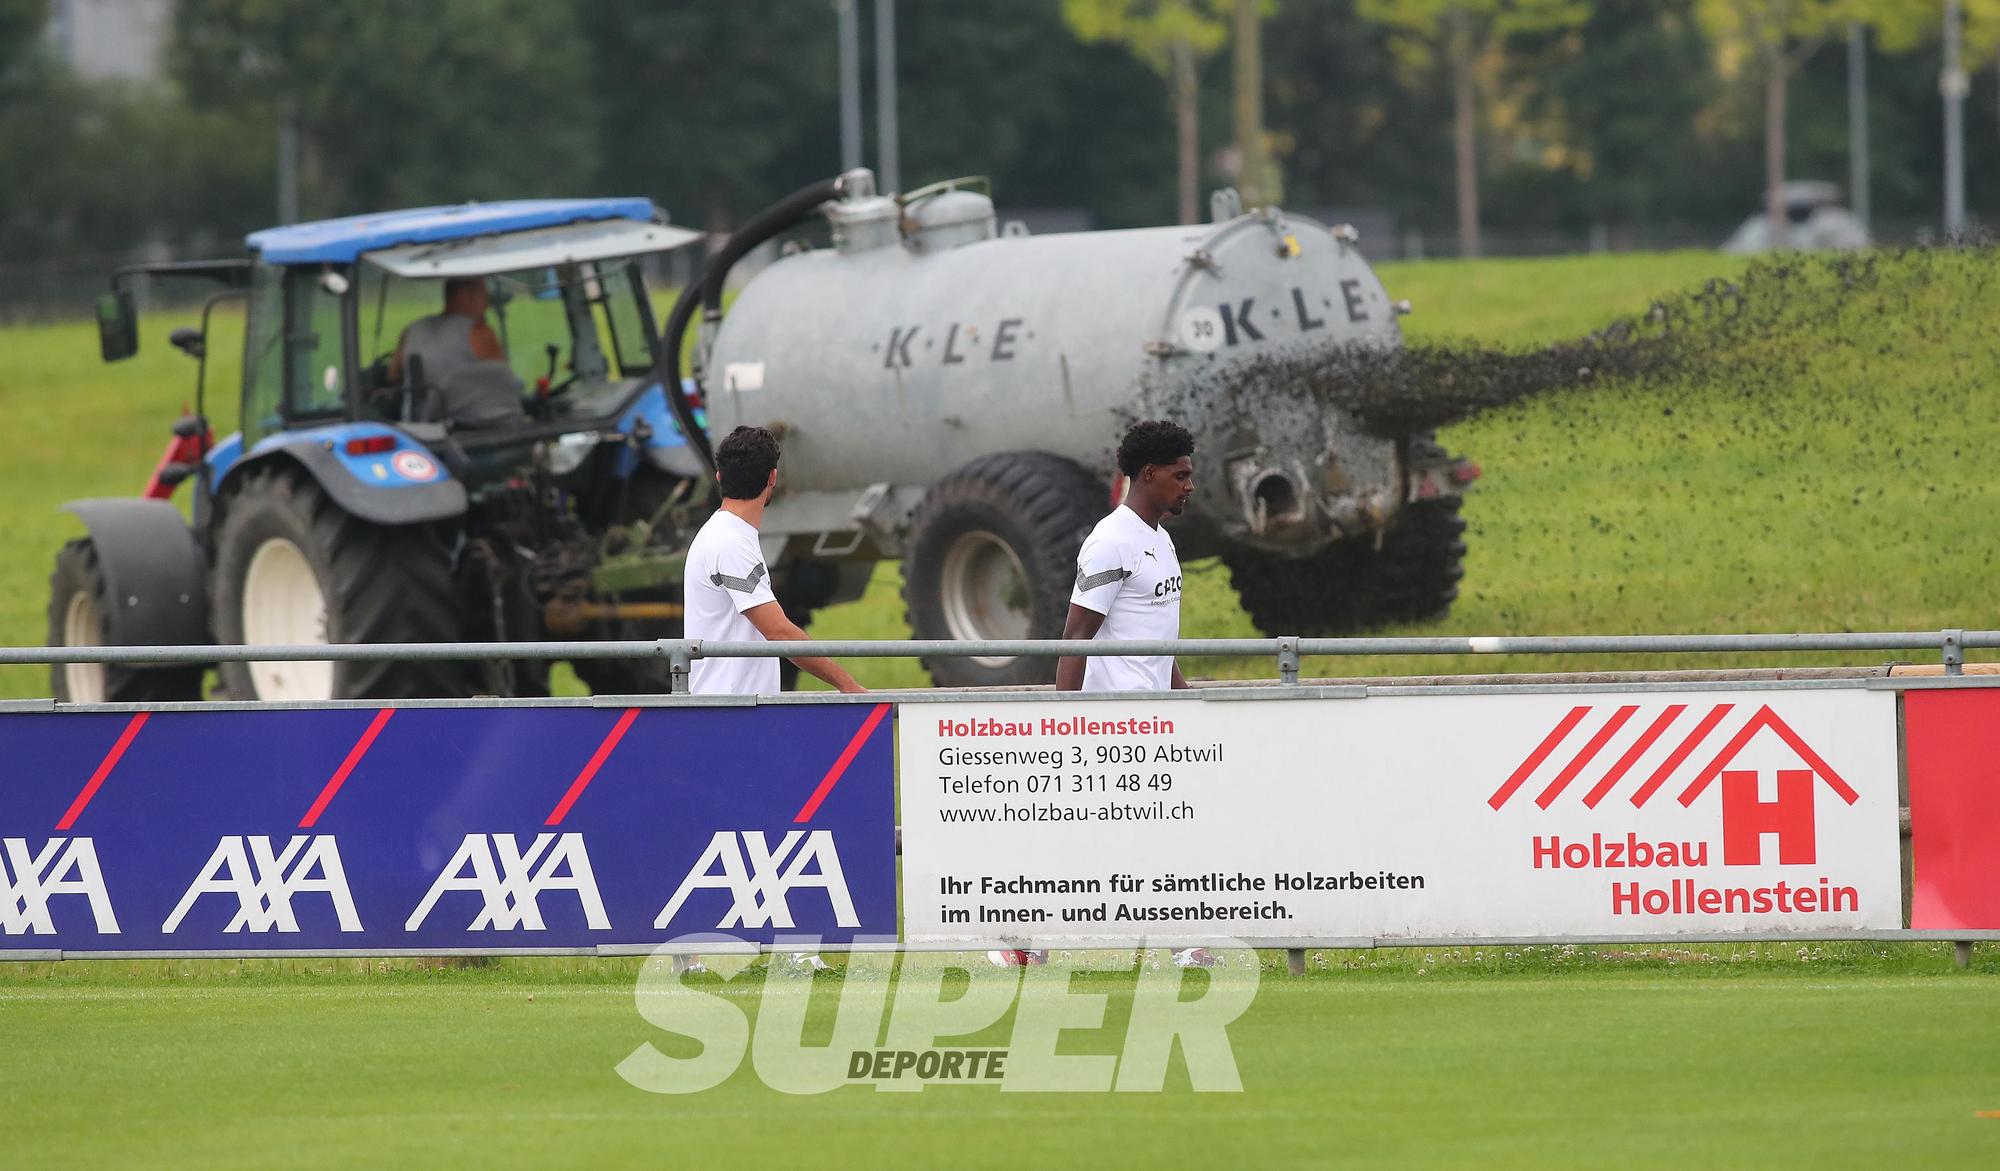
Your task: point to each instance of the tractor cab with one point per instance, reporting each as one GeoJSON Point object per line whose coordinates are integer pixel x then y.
{"type": "Point", "coordinates": [449, 416]}
{"type": "Point", "coordinates": [563, 297]}
{"type": "Point", "coordinates": [562, 305]}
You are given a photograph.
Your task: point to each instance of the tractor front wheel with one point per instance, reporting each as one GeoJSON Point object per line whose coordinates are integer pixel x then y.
{"type": "Point", "coordinates": [293, 569]}
{"type": "Point", "coordinates": [78, 605]}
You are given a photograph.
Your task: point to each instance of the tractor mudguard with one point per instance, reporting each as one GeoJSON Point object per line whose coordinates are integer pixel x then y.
{"type": "Point", "coordinates": [667, 449]}
{"type": "Point", "coordinates": [399, 485]}
{"type": "Point", "coordinates": [153, 572]}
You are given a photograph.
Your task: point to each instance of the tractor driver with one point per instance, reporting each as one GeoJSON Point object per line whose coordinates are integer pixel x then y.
{"type": "Point", "coordinates": [451, 340]}
{"type": "Point", "coordinates": [462, 358]}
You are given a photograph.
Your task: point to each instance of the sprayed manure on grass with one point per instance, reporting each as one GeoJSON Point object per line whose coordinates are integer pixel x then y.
{"type": "Point", "coordinates": [1745, 332]}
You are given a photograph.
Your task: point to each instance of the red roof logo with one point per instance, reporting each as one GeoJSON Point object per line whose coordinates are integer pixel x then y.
{"type": "Point", "coordinates": [1689, 744]}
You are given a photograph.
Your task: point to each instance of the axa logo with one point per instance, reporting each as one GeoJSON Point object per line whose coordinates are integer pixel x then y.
{"type": "Point", "coordinates": [264, 879]}
{"type": "Point", "coordinates": [761, 878]}
{"type": "Point", "coordinates": [30, 878]}
{"type": "Point", "coordinates": [510, 881]}
{"type": "Point", "coordinates": [1747, 819]}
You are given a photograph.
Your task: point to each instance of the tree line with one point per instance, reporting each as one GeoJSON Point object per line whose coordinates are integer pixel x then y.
{"type": "Point", "coordinates": [1458, 116]}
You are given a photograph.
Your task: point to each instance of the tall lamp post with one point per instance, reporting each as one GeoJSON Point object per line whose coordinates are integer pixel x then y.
{"type": "Point", "coordinates": [1953, 84]}
{"type": "Point", "coordinates": [1857, 124]}
{"type": "Point", "coordinates": [850, 83]}
{"type": "Point", "coordinates": [887, 144]}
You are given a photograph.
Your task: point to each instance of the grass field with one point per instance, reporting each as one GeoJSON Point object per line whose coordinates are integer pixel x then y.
{"type": "Point", "coordinates": [1832, 1056]}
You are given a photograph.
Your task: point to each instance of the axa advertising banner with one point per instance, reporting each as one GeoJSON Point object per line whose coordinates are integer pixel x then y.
{"type": "Point", "coordinates": [1493, 816]}
{"type": "Point", "coordinates": [443, 828]}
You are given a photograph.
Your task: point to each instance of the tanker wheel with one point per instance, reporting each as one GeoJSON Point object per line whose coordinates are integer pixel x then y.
{"type": "Point", "coordinates": [992, 554]}
{"type": "Point", "coordinates": [1421, 562]}
{"type": "Point", "coordinates": [78, 604]}
{"type": "Point", "coordinates": [1316, 596]}
{"type": "Point", "coordinates": [293, 568]}
{"type": "Point", "coordinates": [1352, 586]}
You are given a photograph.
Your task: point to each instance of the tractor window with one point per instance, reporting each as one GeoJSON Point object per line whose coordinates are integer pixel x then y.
{"type": "Point", "coordinates": [543, 308]}
{"type": "Point", "coordinates": [589, 314]}
{"type": "Point", "coordinates": [622, 309]}
{"type": "Point", "coordinates": [388, 305]}
{"type": "Point", "coordinates": [315, 358]}
{"type": "Point", "coordinates": [263, 354]}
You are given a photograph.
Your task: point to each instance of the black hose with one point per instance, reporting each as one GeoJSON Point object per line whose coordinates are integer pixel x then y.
{"type": "Point", "coordinates": [706, 291]}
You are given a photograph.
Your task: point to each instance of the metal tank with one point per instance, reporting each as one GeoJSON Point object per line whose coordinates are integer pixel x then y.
{"type": "Point", "coordinates": [928, 345]}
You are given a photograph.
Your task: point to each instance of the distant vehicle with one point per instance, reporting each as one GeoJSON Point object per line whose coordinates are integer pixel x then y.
{"type": "Point", "coordinates": [1815, 222]}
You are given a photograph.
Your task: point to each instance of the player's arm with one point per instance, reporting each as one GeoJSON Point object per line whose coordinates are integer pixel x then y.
{"type": "Point", "coordinates": [1083, 624]}
{"type": "Point", "coordinates": [774, 624]}
{"type": "Point", "coordinates": [1180, 680]}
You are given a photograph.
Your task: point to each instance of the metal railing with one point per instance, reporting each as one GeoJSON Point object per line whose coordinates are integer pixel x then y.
{"type": "Point", "coordinates": [1949, 645]}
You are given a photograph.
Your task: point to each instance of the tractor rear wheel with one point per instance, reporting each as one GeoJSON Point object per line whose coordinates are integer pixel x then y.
{"type": "Point", "coordinates": [992, 554]}
{"type": "Point", "coordinates": [78, 605]}
{"type": "Point", "coordinates": [293, 568]}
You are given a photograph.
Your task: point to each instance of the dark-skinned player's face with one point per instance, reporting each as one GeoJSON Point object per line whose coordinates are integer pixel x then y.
{"type": "Point", "coordinates": [1168, 486]}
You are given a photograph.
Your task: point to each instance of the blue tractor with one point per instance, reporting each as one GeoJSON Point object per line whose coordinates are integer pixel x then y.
{"type": "Point", "coordinates": [365, 499]}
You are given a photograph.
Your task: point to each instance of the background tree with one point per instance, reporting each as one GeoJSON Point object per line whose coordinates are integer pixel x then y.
{"type": "Point", "coordinates": [1615, 122]}
{"type": "Point", "coordinates": [21, 23]}
{"type": "Point", "coordinates": [94, 168]}
{"type": "Point", "coordinates": [1173, 37]}
{"type": "Point", "coordinates": [716, 109]}
{"type": "Point", "coordinates": [1770, 41]}
{"type": "Point", "coordinates": [1354, 132]}
{"type": "Point", "coordinates": [469, 99]}
{"type": "Point", "coordinates": [1464, 34]}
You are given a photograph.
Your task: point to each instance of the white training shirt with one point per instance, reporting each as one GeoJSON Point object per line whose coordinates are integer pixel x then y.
{"type": "Point", "coordinates": [1128, 572]}
{"type": "Point", "coordinates": [726, 576]}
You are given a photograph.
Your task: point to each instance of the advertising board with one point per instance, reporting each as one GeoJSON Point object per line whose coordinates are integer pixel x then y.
{"type": "Point", "coordinates": [1642, 814]}
{"type": "Point", "coordinates": [1953, 746]}
{"type": "Point", "coordinates": [440, 828]}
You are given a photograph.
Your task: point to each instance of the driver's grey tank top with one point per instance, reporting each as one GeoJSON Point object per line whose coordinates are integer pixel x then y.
{"type": "Point", "coordinates": [444, 341]}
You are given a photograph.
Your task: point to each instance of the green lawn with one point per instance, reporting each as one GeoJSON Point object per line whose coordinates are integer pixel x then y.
{"type": "Point", "coordinates": [1811, 1060]}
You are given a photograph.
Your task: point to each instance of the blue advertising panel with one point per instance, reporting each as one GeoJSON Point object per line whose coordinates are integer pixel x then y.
{"type": "Point", "coordinates": [386, 829]}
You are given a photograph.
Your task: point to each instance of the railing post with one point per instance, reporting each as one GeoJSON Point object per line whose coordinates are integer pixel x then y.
{"type": "Point", "coordinates": [1288, 660]}
{"type": "Point", "coordinates": [1954, 652]}
{"type": "Point", "coordinates": [680, 658]}
{"type": "Point", "coordinates": [1961, 953]}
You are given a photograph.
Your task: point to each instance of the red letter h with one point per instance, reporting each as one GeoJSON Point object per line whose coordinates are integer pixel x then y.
{"type": "Point", "coordinates": [1745, 819]}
